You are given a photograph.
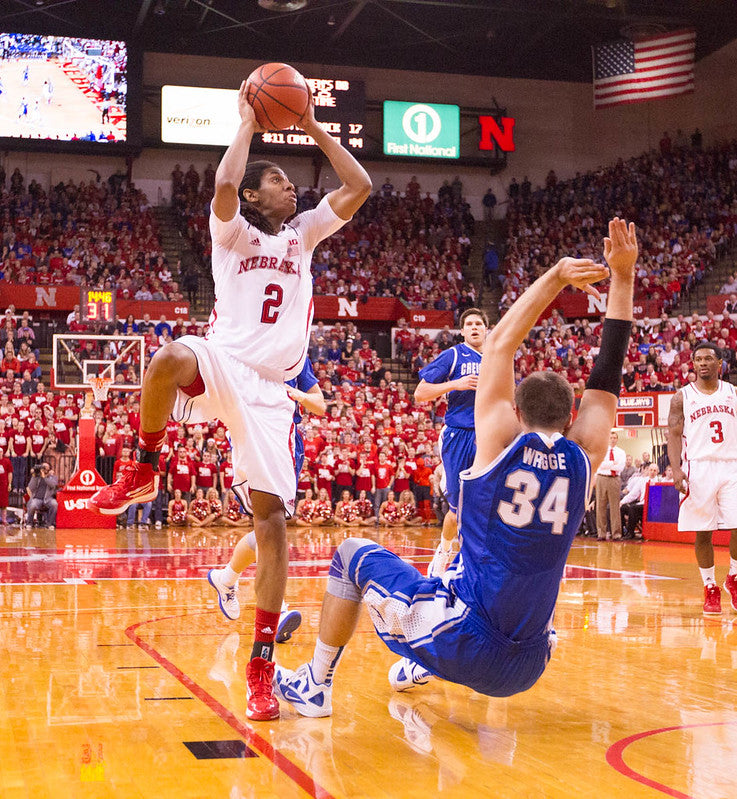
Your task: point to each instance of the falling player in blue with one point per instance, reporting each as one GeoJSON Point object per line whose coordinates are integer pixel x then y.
{"type": "Point", "coordinates": [305, 391]}
{"type": "Point", "coordinates": [455, 372]}
{"type": "Point", "coordinates": [487, 622]}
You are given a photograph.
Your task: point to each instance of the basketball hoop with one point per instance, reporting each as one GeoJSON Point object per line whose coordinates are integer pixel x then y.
{"type": "Point", "coordinates": [100, 387]}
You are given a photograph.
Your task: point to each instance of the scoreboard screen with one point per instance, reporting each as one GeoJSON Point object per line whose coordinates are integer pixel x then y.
{"type": "Point", "coordinates": [340, 108]}
{"type": "Point", "coordinates": [96, 305]}
{"type": "Point", "coordinates": [199, 115]}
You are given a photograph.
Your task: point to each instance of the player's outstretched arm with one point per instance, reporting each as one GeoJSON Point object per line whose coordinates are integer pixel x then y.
{"type": "Point", "coordinates": [599, 402]}
{"type": "Point", "coordinates": [313, 400]}
{"type": "Point", "coordinates": [495, 417]}
{"type": "Point", "coordinates": [226, 202]}
{"type": "Point", "coordinates": [675, 441]}
{"type": "Point", "coordinates": [349, 197]}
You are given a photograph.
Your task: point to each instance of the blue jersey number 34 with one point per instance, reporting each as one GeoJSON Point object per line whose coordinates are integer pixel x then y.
{"type": "Point", "coordinates": [520, 512]}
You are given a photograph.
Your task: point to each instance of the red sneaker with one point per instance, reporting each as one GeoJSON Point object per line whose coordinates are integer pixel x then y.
{"type": "Point", "coordinates": [262, 704]}
{"type": "Point", "coordinates": [730, 586]}
{"type": "Point", "coordinates": [137, 482]}
{"type": "Point", "coordinates": [712, 599]}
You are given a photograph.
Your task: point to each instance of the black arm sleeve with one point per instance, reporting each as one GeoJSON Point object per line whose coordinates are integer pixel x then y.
{"type": "Point", "coordinates": [607, 372]}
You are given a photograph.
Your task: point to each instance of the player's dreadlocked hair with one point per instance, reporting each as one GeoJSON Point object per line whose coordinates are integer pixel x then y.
{"type": "Point", "coordinates": [252, 180]}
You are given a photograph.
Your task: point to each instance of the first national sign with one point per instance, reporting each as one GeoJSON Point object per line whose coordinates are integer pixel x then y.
{"type": "Point", "coordinates": [421, 130]}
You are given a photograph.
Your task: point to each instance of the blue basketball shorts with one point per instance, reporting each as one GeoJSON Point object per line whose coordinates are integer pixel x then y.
{"type": "Point", "coordinates": [457, 451]}
{"type": "Point", "coordinates": [422, 619]}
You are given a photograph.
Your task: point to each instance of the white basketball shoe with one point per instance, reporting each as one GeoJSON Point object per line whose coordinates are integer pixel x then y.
{"type": "Point", "coordinates": [309, 698]}
{"type": "Point", "coordinates": [405, 673]}
{"type": "Point", "coordinates": [227, 594]}
{"type": "Point", "coordinates": [289, 621]}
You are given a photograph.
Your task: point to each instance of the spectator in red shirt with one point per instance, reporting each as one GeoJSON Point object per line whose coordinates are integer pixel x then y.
{"type": "Point", "coordinates": [6, 479]}
{"type": "Point", "coordinates": [421, 479]}
{"type": "Point", "coordinates": [207, 473]}
{"type": "Point", "coordinates": [365, 476]}
{"type": "Point", "coordinates": [384, 477]}
{"type": "Point", "coordinates": [182, 475]}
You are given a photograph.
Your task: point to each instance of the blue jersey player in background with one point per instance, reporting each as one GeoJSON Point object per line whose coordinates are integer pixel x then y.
{"type": "Point", "coordinates": [455, 372]}
{"type": "Point", "coordinates": [305, 391]}
{"type": "Point", "coordinates": [487, 622]}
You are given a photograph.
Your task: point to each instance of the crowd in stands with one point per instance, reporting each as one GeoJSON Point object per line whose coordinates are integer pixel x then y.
{"type": "Point", "coordinates": [374, 443]}
{"type": "Point", "coordinates": [98, 233]}
{"type": "Point", "coordinates": [682, 198]}
{"type": "Point", "coordinates": [399, 244]}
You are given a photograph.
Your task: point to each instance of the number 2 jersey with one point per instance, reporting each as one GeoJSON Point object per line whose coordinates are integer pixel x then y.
{"type": "Point", "coordinates": [709, 423]}
{"type": "Point", "coordinates": [263, 289]}
{"type": "Point", "coordinates": [517, 521]}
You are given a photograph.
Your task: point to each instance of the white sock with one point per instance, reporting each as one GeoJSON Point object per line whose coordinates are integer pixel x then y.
{"type": "Point", "coordinates": [284, 607]}
{"type": "Point", "coordinates": [230, 577]}
{"type": "Point", "coordinates": [325, 661]}
{"type": "Point", "coordinates": [732, 566]}
{"type": "Point", "coordinates": [707, 575]}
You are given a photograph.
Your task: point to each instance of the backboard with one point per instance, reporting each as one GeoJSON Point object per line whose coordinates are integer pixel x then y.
{"type": "Point", "coordinates": [78, 356]}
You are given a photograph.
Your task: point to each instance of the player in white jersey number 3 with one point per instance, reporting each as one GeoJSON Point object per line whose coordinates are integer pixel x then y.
{"type": "Point", "coordinates": [258, 339]}
{"type": "Point", "coordinates": [702, 449]}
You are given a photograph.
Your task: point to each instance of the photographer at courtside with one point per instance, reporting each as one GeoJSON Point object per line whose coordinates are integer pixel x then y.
{"type": "Point", "coordinates": [41, 493]}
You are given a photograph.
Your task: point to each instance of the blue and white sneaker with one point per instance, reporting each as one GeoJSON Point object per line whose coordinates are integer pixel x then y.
{"type": "Point", "coordinates": [299, 688]}
{"type": "Point", "coordinates": [227, 594]}
{"type": "Point", "coordinates": [405, 673]}
{"type": "Point", "coordinates": [289, 621]}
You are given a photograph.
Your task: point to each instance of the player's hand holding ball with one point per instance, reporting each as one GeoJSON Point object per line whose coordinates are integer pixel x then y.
{"type": "Point", "coordinates": [279, 96]}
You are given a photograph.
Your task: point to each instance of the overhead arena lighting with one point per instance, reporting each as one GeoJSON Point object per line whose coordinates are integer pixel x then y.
{"type": "Point", "coordinates": [282, 5]}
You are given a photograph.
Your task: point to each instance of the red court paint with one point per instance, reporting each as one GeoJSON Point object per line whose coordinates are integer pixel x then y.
{"type": "Point", "coordinates": [253, 739]}
{"type": "Point", "coordinates": [614, 757]}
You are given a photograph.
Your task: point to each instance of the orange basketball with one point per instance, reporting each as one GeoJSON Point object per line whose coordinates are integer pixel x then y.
{"type": "Point", "coordinates": [278, 94]}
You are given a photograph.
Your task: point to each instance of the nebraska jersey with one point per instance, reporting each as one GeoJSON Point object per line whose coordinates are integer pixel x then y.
{"type": "Point", "coordinates": [263, 289]}
{"type": "Point", "coordinates": [709, 423]}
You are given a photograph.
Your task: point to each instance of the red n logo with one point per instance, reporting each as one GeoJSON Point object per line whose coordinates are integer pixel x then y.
{"type": "Point", "coordinates": [491, 133]}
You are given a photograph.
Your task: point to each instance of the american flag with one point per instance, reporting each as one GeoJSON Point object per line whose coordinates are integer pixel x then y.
{"type": "Point", "coordinates": [632, 71]}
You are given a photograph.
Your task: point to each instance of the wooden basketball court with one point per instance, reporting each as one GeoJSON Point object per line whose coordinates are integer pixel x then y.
{"type": "Point", "coordinates": [120, 678]}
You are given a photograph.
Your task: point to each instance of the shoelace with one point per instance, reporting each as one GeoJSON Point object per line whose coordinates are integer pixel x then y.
{"type": "Point", "coordinates": [259, 681]}
{"type": "Point", "coordinates": [128, 473]}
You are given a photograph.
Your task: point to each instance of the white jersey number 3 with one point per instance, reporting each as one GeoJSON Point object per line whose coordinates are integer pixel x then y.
{"type": "Point", "coordinates": [520, 511]}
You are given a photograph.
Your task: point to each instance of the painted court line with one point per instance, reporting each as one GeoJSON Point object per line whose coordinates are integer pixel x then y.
{"type": "Point", "coordinates": [289, 769]}
{"type": "Point", "coordinates": [615, 757]}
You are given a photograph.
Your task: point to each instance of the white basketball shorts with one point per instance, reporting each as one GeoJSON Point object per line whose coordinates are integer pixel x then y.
{"type": "Point", "coordinates": [258, 414]}
{"type": "Point", "coordinates": [711, 501]}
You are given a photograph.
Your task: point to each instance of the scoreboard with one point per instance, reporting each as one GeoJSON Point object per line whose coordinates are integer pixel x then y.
{"type": "Point", "coordinates": [340, 108]}
{"type": "Point", "coordinates": [204, 116]}
{"type": "Point", "coordinates": [96, 305]}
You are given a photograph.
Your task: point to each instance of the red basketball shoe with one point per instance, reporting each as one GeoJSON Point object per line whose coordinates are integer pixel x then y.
{"type": "Point", "coordinates": [137, 482]}
{"type": "Point", "coordinates": [730, 586]}
{"type": "Point", "coordinates": [262, 705]}
{"type": "Point", "coordinates": [712, 599]}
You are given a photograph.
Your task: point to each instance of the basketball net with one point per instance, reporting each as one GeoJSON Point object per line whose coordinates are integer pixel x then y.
{"type": "Point", "coordinates": [100, 387]}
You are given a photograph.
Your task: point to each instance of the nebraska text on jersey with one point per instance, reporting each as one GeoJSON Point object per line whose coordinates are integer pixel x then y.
{"type": "Point", "coordinates": [709, 423]}
{"type": "Point", "coordinates": [264, 262]}
{"type": "Point", "coordinates": [263, 287]}
{"type": "Point", "coordinates": [711, 409]}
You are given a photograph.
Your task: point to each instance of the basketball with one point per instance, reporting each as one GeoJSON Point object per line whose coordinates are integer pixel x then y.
{"type": "Point", "coordinates": [278, 94]}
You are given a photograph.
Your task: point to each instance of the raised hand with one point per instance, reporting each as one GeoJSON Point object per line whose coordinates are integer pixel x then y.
{"type": "Point", "coordinates": [581, 273]}
{"type": "Point", "coordinates": [620, 247]}
{"type": "Point", "coordinates": [245, 109]}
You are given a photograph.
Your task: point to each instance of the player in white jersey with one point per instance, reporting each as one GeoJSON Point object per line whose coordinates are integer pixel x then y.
{"type": "Point", "coordinates": [702, 449]}
{"type": "Point", "coordinates": [258, 339]}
